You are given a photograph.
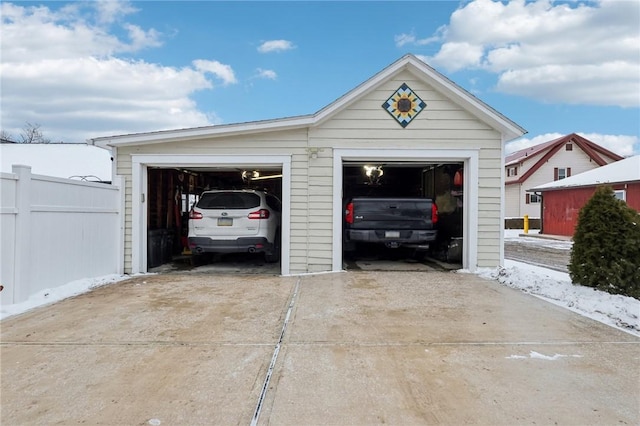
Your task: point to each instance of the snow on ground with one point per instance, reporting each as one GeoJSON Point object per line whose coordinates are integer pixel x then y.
{"type": "Point", "coordinates": [615, 310]}
{"type": "Point", "coordinates": [52, 295]}
{"type": "Point", "coordinates": [618, 311]}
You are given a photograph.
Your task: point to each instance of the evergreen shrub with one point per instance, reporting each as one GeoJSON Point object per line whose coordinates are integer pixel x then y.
{"type": "Point", "coordinates": [606, 245]}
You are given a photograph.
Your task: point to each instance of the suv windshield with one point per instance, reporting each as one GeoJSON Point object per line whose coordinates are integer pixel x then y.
{"type": "Point", "coordinates": [228, 200]}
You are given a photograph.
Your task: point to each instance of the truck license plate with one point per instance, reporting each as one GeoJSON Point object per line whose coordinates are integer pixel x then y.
{"type": "Point", "coordinates": [392, 234]}
{"type": "Point", "coordinates": [225, 221]}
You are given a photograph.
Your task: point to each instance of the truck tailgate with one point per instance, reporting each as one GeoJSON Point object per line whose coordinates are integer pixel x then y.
{"type": "Point", "coordinates": [396, 213]}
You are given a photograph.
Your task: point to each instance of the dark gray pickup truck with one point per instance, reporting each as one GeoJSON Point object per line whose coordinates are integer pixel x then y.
{"type": "Point", "coordinates": [393, 222]}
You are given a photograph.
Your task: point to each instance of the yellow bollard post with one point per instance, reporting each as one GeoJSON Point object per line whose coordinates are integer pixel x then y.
{"type": "Point", "coordinates": [526, 223]}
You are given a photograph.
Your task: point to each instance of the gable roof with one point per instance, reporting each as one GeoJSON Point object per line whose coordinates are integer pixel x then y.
{"type": "Point", "coordinates": [479, 109]}
{"type": "Point", "coordinates": [623, 171]}
{"type": "Point", "coordinates": [593, 150]}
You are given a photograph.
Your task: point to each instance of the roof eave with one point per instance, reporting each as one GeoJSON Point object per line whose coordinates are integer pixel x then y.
{"type": "Point", "coordinates": [584, 185]}
{"type": "Point", "coordinates": [203, 132]}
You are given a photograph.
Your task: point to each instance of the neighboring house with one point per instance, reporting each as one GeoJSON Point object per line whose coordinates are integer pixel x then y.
{"type": "Point", "coordinates": [65, 160]}
{"type": "Point", "coordinates": [410, 119]}
{"type": "Point", "coordinates": [562, 200]}
{"type": "Point", "coordinates": [551, 161]}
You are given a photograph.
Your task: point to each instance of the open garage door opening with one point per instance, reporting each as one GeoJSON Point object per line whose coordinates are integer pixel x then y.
{"type": "Point", "coordinates": [403, 215]}
{"type": "Point", "coordinates": [214, 219]}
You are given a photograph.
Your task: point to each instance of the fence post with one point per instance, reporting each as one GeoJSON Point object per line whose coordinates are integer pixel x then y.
{"type": "Point", "coordinates": [22, 283]}
{"type": "Point", "coordinates": [119, 181]}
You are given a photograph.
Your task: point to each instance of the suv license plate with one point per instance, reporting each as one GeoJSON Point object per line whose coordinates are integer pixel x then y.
{"type": "Point", "coordinates": [225, 221]}
{"type": "Point", "coordinates": [392, 234]}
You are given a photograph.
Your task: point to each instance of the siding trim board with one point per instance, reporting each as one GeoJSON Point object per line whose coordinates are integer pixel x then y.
{"type": "Point", "coordinates": [470, 158]}
{"type": "Point", "coordinates": [139, 184]}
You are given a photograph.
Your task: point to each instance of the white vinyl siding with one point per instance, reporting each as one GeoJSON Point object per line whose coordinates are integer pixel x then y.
{"type": "Point", "coordinates": [442, 125]}
{"type": "Point", "coordinates": [320, 224]}
{"type": "Point", "coordinates": [512, 201]}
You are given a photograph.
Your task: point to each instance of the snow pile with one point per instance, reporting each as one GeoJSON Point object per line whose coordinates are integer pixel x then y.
{"type": "Point", "coordinates": [538, 355]}
{"type": "Point", "coordinates": [57, 294]}
{"type": "Point", "coordinates": [616, 310]}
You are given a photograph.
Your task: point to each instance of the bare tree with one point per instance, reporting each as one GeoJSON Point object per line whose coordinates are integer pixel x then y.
{"type": "Point", "coordinates": [31, 133]}
{"type": "Point", "coordinates": [6, 136]}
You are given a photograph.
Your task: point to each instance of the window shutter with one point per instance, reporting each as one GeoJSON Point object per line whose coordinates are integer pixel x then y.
{"type": "Point", "coordinates": [555, 173]}
{"type": "Point", "coordinates": [515, 171]}
{"type": "Point", "coordinates": [527, 198]}
{"type": "Point", "coordinates": [568, 171]}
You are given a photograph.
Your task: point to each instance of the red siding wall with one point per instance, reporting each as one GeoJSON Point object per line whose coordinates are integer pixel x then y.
{"type": "Point", "coordinates": [560, 208]}
{"type": "Point", "coordinates": [633, 195]}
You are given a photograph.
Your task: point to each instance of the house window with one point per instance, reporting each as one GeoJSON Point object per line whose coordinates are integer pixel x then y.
{"type": "Point", "coordinates": [532, 199]}
{"type": "Point", "coordinates": [512, 171]}
{"type": "Point", "coordinates": [561, 173]}
{"type": "Point", "coordinates": [568, 147]}
{"type": "Point", "coordinates": [620, 194]}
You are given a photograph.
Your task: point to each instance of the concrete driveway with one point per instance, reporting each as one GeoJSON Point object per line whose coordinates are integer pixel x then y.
{"type": "Point", "coordinates": [348, 348]}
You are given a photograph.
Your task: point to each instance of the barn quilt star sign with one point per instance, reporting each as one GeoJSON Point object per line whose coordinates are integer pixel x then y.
{"type": "Point", "coordinates": [404, 105]}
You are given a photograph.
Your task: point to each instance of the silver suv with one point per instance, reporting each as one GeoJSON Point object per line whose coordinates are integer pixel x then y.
{"type": "Point", "coordinates": [236, 221]}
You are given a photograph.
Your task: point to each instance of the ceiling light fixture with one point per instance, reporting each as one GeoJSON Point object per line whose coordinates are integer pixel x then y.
{"type": "Point", "coordinates": [267, 177]}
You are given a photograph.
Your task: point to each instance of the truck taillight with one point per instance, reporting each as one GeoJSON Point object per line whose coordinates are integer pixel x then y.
{"type": "Point", "coordinates": [348, 213]}
{"type": "Point", "coordinates": [195, 215]}
{"type": "Point", "coordinates": [259, 214]}
{"type": "Point", "coordinates": [434, 213]}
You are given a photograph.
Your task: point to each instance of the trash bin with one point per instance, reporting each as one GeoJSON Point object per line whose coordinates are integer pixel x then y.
{"type": "Point", "coordinates": [154, 247]}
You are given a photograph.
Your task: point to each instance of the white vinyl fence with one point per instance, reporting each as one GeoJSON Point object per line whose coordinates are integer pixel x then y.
{"type": "Point", "coordinates": [54, 231]}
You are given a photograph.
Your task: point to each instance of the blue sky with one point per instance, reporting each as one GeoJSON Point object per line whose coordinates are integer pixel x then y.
{"type": "Point", "coordinates": [88, 69]}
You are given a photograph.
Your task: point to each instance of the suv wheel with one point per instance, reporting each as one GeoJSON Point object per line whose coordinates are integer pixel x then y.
{"type": "Point", "coordinates": [274, 255]}
{"type": "Point", "coordinates": [201, 259]}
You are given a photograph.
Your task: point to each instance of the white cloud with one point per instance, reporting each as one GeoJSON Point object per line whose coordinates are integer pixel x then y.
{"type": "Point", "coordinates": [577, 53]}
{"type": "Point", "coordinates": [610, 84]}
{"type": "Point", "coordinates": [110, 11]}
{"type": "Point", "coordinates": [222, 71]}
{"type": "Point", "coordinates": [141, 39]}
{"type": "Point", "coordinates": [275, 46]}
{"type": "Point", "coordinates": [60, 69]}
{"type": "Point", "coordinates": [522, 143]}
{"type": "Point", "coordinates": [623, 145]}
{"type": "Point", "coordinates": [620, 144]}
{"type": "Point", "coordinates": [268, 74]}
{"type": "Point", "coordinates": [32, 33]}
{"type": "Point", "coordinates": [456, 55]}
{"type": "Point", "coordinates": [403, 39]}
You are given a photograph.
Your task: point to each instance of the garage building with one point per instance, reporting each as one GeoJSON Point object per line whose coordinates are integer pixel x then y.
{"type": "Point", "coordinates": [423, 130]}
